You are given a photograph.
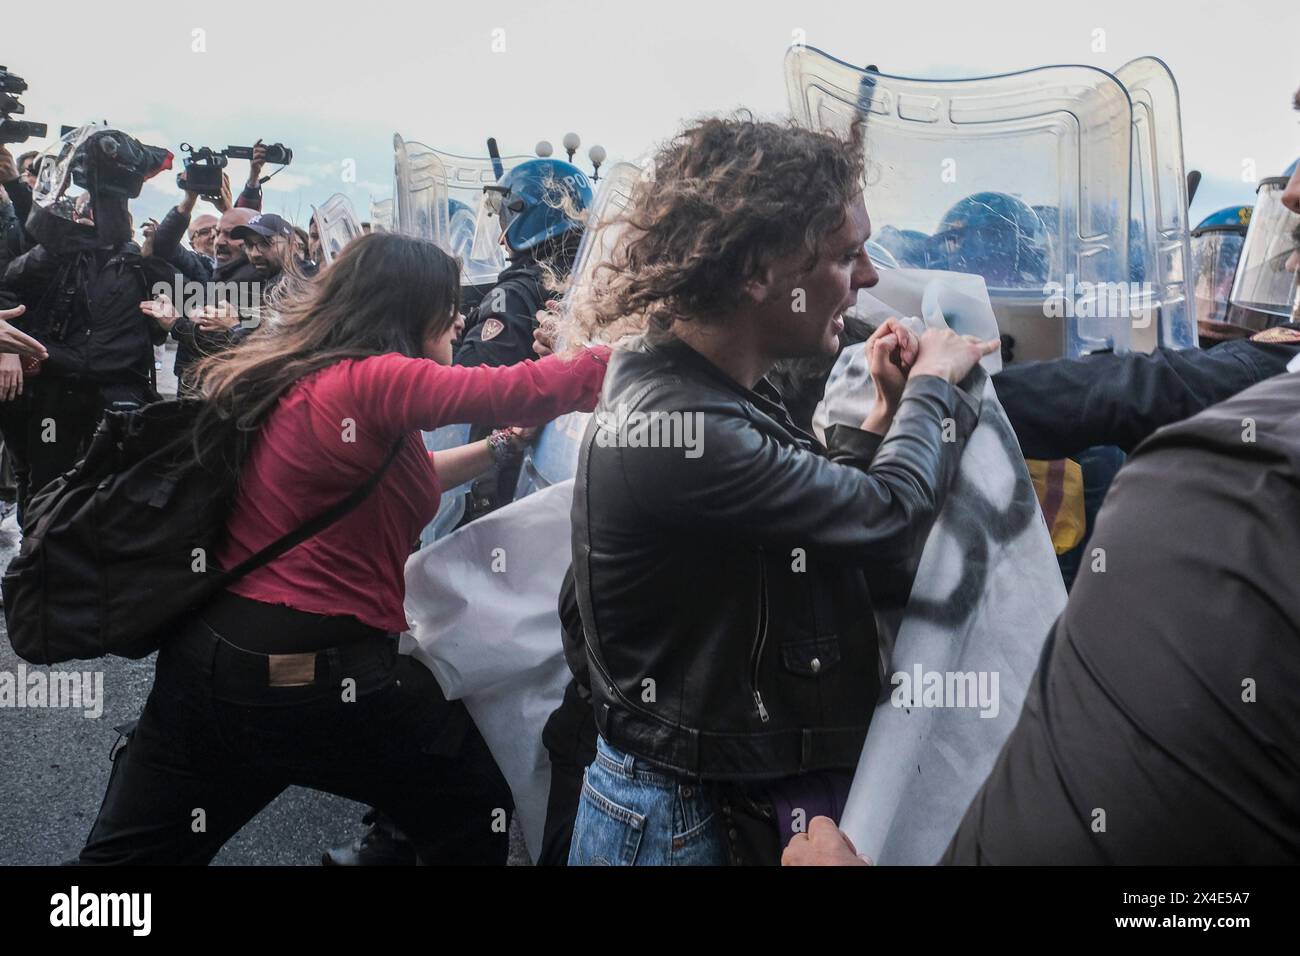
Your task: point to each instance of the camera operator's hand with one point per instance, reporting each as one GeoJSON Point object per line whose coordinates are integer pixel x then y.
{"type": "Point", "coordinates": [255, 165]}
{"type": "Point", "coordinates": [8, 165]}
{"type": "Point", "coordinates": [12, 340]}
{"type": "Point", "coordinates": [147, 230]}
{"type": "Point", "coordinates": [950, 356]}
{"type": "Point", "coordinates": [11, 377]}
{"type": "Point", "coordinates": [223, 202]}
{"type": "Point", "coordinates": [186, 205]}
{"type": "Point", "coordinates": [161, 311]}
{"type": "Point", "coordinates": [215, 318]}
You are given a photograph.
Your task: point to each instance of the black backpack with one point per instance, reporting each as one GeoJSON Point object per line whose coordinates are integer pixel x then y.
{"type": "Point", "coordinates": [118, 548]}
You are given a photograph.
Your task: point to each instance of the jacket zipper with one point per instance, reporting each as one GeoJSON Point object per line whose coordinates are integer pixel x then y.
{"type": "Point", "coordinates": [761, 639]}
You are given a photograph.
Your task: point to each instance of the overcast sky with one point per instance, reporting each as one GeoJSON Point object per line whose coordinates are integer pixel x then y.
{"type": "Point", "coordinates": [335, 83]}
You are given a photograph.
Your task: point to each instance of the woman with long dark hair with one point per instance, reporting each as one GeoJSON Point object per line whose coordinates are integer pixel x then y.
{"type": "Point", "coordinates": [291, 675]}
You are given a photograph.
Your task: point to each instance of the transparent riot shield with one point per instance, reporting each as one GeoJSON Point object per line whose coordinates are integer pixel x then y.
{"type": "Point", "coordinates": [419, 192]}
{"type": "Point", "coordinates": [1214, 265]}
{"type": "Point", "coordinates": [1265, 290]}
{"type": "Point", "coordinates": [1021, 178]}
{"type": "Point", "coordinates": [1160, 254]}
{"type": "Point", "coordinates": [554, 456]}
{"type": "Point", "coordinates": [601, 237]}
{"type": "Point", "coordinates": [439, 197]}
{"type": "Point", "coordinates": [61, 186]}
{"type": "Point", "coordinates": [881, 257]}
{"type": "Point", "coordinates": [381, 215]}
{"type": "Point", "coordinates": [337, 225]}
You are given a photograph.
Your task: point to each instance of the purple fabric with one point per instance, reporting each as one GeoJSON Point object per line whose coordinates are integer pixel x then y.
{"type": "Point", "coordinates": [796, 800]}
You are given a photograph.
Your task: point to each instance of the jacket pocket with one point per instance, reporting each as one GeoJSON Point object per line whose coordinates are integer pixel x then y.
{"type": "Point", "coordinates": [811, 658]}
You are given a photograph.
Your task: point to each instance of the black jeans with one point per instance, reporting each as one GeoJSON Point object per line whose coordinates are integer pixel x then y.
{"type": "Point", "coordinates": [216, 743]}
{"type": "Point", "coordinates": [570, 739]}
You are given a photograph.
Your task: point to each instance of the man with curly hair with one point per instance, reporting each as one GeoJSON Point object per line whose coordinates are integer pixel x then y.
{"type": "Point", "coordinates": [726, 563]}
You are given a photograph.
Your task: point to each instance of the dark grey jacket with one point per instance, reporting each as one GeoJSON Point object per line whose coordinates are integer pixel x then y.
{"type": "Point", "coordinates": [1162, 726]}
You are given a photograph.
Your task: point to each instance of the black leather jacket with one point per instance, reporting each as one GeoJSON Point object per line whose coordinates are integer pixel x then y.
{"type": "Point", "coordinates": [724, 590]}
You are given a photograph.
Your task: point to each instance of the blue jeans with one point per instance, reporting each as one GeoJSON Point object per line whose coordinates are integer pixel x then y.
{"type": "Point", "coordinates": [632, 814]}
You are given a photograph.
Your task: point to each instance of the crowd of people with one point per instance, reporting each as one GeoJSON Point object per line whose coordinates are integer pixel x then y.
{"type": "Point", "coordinates": [314, 380]}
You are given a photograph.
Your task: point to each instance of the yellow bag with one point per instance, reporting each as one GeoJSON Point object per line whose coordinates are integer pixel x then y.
{"type": "Point", "coordinates": [1059, 486]}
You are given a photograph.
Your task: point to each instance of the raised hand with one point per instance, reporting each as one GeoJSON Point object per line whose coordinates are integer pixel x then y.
{"type": "Point", "coordinates": [12, 340]}
{"type": "Point", "coordinates": [161, 310]}
{"type": "Point", "coordinates": [951, 356]}
{"type": "Point", "coordinates": [214, 318]}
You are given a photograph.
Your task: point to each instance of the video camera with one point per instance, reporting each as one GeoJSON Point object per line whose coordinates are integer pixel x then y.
{"type": "Point", "coordinates": [203, 166]}
{"type": "Point", "coordinates": [12, 130]}
{"type": "Point", "coordinates": [276, 153]}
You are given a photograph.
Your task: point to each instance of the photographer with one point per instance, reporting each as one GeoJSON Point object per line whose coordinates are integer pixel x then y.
{"type": "Point", "coordinates": [80, 285]}
{"type": "Point", "coordinates": [9, 224]}
{"type": "Point", "coordinates": [27, 167]}
{"type": "Point", "coordinates": [203, 237]}
{"type": "Point", "coordinates": [16, 203]}
{"type": "Point", "coordinates": [17, 179]}
{"type": "Point", "coordinates": [202, 264]}
{"type": "Point", "coordinates": [269, 251]}
{"type": "Point", "coordinates": [198, 265]}
{"type": "Point", "coordinates": [272, 248]}
{"type": "Point", "coordinates": [201, 332]}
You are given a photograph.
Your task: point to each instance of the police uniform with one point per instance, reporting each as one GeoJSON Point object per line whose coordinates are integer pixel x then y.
{"type": "Point", "coordinates": [1061, 407]}
{"type": "Point", "coordinates": [500, 332]}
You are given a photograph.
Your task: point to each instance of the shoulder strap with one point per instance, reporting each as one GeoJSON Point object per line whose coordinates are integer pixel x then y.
{"type": "Point", "coordinates": [316, 525]}
{"type": "Point", "coordinates": [64, 292]}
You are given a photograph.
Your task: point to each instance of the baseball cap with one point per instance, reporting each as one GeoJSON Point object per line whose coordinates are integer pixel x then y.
{"type": "Point", "coordinates": [267, 226]}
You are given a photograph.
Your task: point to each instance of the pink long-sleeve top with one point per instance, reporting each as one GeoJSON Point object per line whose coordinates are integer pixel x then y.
{"type": "Point", "coordinates": [334, 429]}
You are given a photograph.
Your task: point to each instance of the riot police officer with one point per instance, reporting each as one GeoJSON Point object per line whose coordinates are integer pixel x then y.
{"type": "Point", "coordinates": [1216, 248]}
{"type": "Point", "coordinates": [539, 206]}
